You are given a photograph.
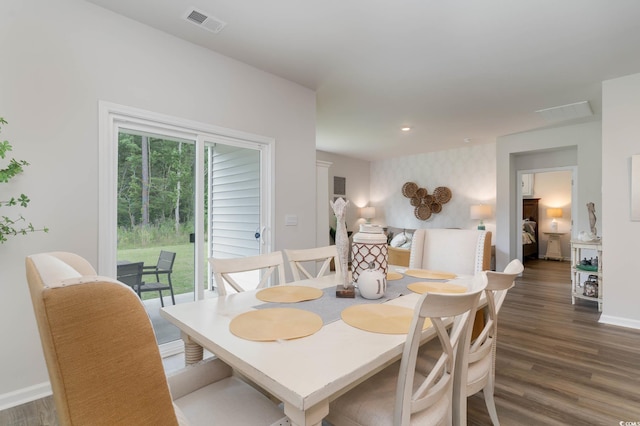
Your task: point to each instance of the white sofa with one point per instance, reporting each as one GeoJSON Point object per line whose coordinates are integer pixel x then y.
{"type": "Point", "coordinates": [459, 251]}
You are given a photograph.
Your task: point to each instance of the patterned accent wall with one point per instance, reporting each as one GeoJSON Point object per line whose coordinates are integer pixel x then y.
{"type": "Point", "coordinates": [469, 172]}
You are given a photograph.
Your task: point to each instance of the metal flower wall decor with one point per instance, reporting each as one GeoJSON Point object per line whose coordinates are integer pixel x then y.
{"type": "Point", "coordinates": [426, 204]}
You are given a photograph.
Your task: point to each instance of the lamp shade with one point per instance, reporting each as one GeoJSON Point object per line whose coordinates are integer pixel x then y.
{"type": "Point", "coordinates": [554, 212]}
{"type": "Point", "coordinates": [480, 211]}
{"type": "Point", "coordinates": [368, 212]}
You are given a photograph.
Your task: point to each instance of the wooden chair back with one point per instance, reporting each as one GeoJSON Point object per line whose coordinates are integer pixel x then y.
{"type": "Point", "coordinates": [439, 381]}
{"type": "Point", "coordinates": [324, 254]}
{"type": "Point", "coordinates": [265, 263]}
{"type": "Point", "coordinates": [484, 346]}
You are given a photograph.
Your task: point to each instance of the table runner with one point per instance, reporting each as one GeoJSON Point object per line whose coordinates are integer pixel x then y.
{"type": "Point", "coordinates": [329, 307]}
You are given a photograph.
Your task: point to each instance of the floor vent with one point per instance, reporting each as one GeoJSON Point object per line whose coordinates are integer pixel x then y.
{"type": "Point", "coordinates": [204, 20]}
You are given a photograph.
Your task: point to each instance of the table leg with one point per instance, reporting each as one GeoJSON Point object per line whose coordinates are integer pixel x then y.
{"type": "Point", "coordinates": [193, 352]}
{"type": "Point", "coordinates": [310, 417]}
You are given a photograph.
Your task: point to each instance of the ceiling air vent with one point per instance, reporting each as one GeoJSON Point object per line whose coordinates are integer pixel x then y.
{"type": "Point", "coordinates": [204, 20]}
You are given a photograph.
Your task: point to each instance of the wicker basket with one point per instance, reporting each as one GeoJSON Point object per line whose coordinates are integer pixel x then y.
{"type": "Point", "coordinates": [422, 212]}
{"type": "Point", "coordinates": [409, 189]}
{"type": "Point", "coordinates": [442, 194]}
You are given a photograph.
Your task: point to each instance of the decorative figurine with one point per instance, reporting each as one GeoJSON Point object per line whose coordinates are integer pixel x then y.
{"type": "Point", "coordinates": [591, 208]}
{"type": "Point", "coordinates": [345, 288]}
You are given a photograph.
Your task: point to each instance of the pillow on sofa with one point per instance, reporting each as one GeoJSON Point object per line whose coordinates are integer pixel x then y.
{"type": "Point", "coordinates": [398, 240]}
{"type": "Point", "coordinates": [407, 245]}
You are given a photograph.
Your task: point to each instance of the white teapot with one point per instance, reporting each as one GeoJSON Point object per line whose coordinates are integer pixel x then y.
{"type": "Point", "coordinates": [372, 283]}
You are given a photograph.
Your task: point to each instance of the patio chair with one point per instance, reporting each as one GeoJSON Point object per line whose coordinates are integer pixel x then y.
{"type": "Point", "coordinates": [163, 267]}
{"type": "Point", "coordinates": [130, 274]}
{"type": "Point", "coordinates": [104, 363]}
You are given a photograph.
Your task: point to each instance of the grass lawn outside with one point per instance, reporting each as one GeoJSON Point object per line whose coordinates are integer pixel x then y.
{"type": "Point", "coordinates": [182, 276]}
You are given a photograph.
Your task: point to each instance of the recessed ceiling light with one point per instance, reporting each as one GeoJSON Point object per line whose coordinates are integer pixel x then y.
{"type": "Point", "coordinates": [405, 129]}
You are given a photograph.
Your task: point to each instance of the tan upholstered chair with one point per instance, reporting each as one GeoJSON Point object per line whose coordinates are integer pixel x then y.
{"type": "Point", "coordinates": [401, 394]}
{"type": "Point", "coordinates": [104, 363]}
{"type": "Point", "coordinates": [324, 254]}
{"type": "Point", "coordinates": [266, 264]}
{"type": "Point", "coordinates": [479, 371]}
{"type": "Point", "coordinates": [460, 251]}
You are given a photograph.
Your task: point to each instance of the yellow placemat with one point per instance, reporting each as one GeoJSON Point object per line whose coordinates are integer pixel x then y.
{"type": "Point", "coordinates": [380, 318]}
{"type": "Point", "coordinates": [436, 287]}
{"type": "Point", "coordinates": [433, 275]}
{"type": "Point", "coordinates": [288, 294]}
{"type": "Point", "coordinates": [264, 325]}
{"type": "Point", "coordinates": [391, 276]}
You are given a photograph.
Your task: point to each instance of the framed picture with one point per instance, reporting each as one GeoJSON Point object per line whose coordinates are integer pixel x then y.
{"type": "Point", "coordinates": [527, 185]}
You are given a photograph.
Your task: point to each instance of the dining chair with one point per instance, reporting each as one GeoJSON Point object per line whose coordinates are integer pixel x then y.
{"type": "Point", "coordinates": [325, 254]}
{"type": "Point", "coordinates": [478, 372]}
{"type": "Point", "coordinates": [104, 363]}
{"type": "Point", "coordinates": [401, 394]}
{"type": "Point", "coordinates": [264, 264]}
{"type": "Point", "coordinates": [460, 251]}
{"type": "Point", "coordinates": [164, 266]}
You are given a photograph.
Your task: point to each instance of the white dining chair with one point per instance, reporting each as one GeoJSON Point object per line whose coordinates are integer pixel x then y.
{"type": "Point", "coordinates": [320, 254]}
{"type": "Point", "coordinates": [478, 373]}
{"type": "Point", "coordinates": [400, 394]}
{"type": "Point", "coordinates": [264, 265]}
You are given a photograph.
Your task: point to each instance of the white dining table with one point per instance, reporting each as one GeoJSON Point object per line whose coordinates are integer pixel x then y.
{"type": "Point", "coordinates": [305, 373]}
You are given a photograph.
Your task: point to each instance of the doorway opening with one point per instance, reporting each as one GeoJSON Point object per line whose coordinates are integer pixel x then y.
{"type": "Point", "coordinates": [546, 212]}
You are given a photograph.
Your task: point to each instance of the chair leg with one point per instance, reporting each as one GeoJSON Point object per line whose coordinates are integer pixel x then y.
{"type": "Point", "coordinates": [173, 299]}
{"type": "Point", "coordinates": [490, 402]}
{"type": "Point", "coordinates": [161, 301]}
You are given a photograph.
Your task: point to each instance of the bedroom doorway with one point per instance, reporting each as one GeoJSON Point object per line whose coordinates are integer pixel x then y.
{"type": "Point", "coordinates": [546, 210]}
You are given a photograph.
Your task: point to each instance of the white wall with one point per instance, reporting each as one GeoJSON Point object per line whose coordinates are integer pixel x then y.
{"type": "Point", "coordinates": [357, 188]}
{"type": "Point", "coordinates": [58, 60]}
{"type": "Point", "coordinates": [470, 174]}
{"type": "Point", "coordinates": [620, 140]}
{"type": "Point", "coordinates": [578, 144]}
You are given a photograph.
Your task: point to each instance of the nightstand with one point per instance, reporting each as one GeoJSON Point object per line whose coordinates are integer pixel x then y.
{"type": "Point", "coordinates": [554, 249]}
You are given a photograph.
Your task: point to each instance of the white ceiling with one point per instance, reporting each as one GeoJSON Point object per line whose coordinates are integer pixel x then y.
{"type": "Point", "coordinates": [450, 69]}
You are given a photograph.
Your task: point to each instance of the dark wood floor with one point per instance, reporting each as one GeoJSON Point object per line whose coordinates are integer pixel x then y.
{"type": "Point", "coordinates": [556, 364]}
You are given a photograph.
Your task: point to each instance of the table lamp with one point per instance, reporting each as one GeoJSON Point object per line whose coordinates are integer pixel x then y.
{"type": "Point", "coordinates": [481, 212]}
{"type": "Point", "coordinates": [554, 213]}
{"type": "Point", "coordinates": [368, 213]}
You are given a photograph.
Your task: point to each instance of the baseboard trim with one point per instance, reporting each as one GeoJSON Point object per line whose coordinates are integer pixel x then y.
{"type": "Point", "coordinates": [174, 347]}
{"type": "Point", "coordinates": [622, 322]}
{"type": "Point", "coordinates": [22, 396]}
{"type": "Point", "coordinates": [32, 393]}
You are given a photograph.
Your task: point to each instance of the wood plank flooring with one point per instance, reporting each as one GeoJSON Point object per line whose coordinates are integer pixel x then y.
{"type": "Point", "coordinates": [556, 364]}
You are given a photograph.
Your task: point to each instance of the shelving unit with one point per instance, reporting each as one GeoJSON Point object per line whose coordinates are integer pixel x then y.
{"type": "Point", "coordinates": [579, 276]}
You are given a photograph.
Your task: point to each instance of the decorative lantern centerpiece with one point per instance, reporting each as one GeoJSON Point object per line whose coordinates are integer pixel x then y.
{"type": "Point", "coordinates": [369, 247]}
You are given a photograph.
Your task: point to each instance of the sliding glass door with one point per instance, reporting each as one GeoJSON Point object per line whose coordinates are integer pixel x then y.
{"type": "Point", "coordinates": [183, 188]}
{"type": "Point", "coordinates": [156, 214]}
